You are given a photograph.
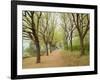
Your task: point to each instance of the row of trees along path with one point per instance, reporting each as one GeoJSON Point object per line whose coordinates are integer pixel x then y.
{"type": "Point", "coordinates": [39, 25]}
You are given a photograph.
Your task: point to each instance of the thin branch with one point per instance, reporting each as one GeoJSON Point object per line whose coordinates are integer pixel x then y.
{"type": "Point", "coordinates": [26, 27]}
{"type": "Point", "coordinates": [26, 31]}
{"type": "Point", "coordinates": [24, 20]}
{"type": "Point", "coordinates": [28, 13]}
{"type": "Point", "coordinates": [87, 28]}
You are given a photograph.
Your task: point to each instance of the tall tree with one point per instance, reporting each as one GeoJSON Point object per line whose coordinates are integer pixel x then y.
{"type": "Point", "coordinates": [81, 22]}
{"type": "Point", "coordinates": [30, 29]}
{"type": "Point", "coordinates": [64, 24]}
{"type": "Point", "coordinates": [45, 30]}
{"type": "Point", "coordinates": [52, 27]}
{"type": "Point", "coordinates": [71, 29]}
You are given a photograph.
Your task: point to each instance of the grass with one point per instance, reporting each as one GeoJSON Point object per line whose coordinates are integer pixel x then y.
{"type": "Point", "coordinates": [74, 58]}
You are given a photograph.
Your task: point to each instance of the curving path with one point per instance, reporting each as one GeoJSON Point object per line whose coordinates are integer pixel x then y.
{"type": "Point", "coordinates": [53, 60]}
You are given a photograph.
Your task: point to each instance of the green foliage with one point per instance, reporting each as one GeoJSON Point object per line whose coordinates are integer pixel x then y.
{"type": "Point", "coordinates": [76, 45]}
{"type": "Point", "coordinates": [30, 51]}
{"type": "Point", "coordinates": [65, 46]}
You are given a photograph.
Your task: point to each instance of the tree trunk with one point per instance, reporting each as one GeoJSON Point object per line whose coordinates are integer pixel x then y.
{"type": "Point", "coordinates": [66, 42]}
{"type": "Point", "coordinates": [35, 37]}
{"type": "Point", "coordinates": [50, 48]}
{"type": "Point", "coordinates": [46, 48]}
{"type": "Point", "coordinates": [38, 51]}
{"type": "Point", "coordinates": [71, 46]}
{"type": "Point", "coordinates": [67, 45]}
{"type": "Point", "coordinates": [82, 46]}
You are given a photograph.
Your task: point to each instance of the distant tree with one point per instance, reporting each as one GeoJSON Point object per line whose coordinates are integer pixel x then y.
{"type": "Point", "coordinates": [52, 28]}
{"type": "Point", "coordinates": [71, 29]}
{"type": "Point", "coordinates": [44, 30]}
{"type": "Point", "coordinates": [48, 25]}
{"type": "Point", "coordinates": [65, 26]}
{"type": "Point", "coordinates": [68, 27]}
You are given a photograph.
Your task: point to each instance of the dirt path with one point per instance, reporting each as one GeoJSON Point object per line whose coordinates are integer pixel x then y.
{"type": "Point", "coordinates": [57, 59]}
{"type": "Point", "coordinates": [53, 60]}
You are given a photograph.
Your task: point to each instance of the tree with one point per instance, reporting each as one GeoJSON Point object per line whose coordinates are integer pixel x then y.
{"type": "Point", "coordinates": [81, 22]}
{"type": "Point", "coordinates": [64, 24]}
{"type": "Point", "coordinates": [30, 29]}
{"type": "Point", "coordinates": [71, 29]}
{"type": "Point", "coordinates": [68, 27]}
{"type": "Point", "coordinates": [48, 24]}
{"type": "Point", "coordinates": [44, 30]}
{"type": "Point", "coordinates": [52, 27]}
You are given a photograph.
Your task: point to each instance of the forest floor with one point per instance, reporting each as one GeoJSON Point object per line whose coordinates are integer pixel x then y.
{"type": "Point", "coordinates": [57, 59]}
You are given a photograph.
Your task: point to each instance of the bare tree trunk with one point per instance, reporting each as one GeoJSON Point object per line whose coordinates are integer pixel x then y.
{"type": "Point", "coordinates": [71, 42]}
{"type": "Point", "coordinates": [50, 48]}
{"type": "Point", "coordinates": [82, 46]}
{"type": "Point", "coordinates": [46, 49]}
{"type": "Point", "coordinates": [36, 38]}
{"type": "Point", "coordinates": [38, 51]}
{"type": "Point", "coordinates": [38, 48]}
{"type": "Point", "coordinates": [66, 44]}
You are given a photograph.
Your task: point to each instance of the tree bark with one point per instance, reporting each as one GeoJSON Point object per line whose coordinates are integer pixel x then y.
{"type": "Point", "coordinates": [71, 41]}
{"type": "Point", "coordinates": [82, 46]}
{"type": "Point", "coordinates": [46, 48]}
{"type": "Point", "coordinates": [50, 48]}
{"type": "Point", "coordinates": [36, 38]}
{"type": "Point", "coordinates": [66, 42]}
{"type": "Point", "coordinates": [38, 51]}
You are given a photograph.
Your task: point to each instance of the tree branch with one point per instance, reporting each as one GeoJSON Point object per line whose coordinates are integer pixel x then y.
{"type": "Point", "coordinates": [87, 28]}
{"type": "Point", "coordinates": [28, 14]}
{"type": "Point", "coordinates": [26, 27]}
